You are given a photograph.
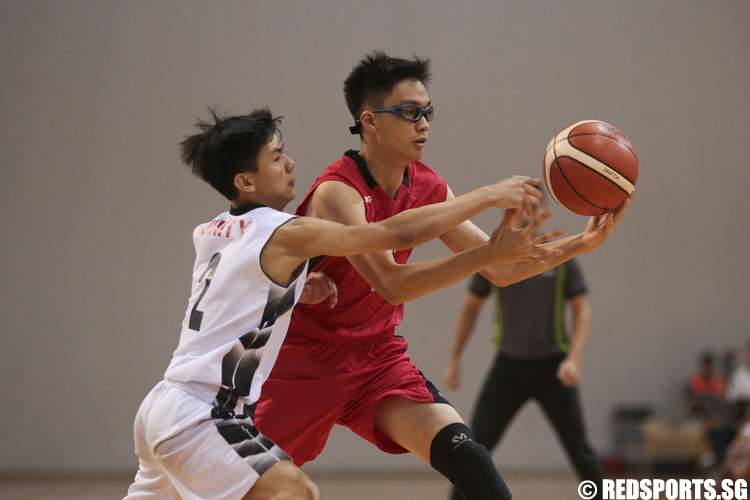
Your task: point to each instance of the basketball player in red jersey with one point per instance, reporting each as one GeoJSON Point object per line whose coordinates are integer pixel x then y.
{"type": "Point", "coordinates": [344, 365]}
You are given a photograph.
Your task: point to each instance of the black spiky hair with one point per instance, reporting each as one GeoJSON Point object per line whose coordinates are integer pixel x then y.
{"type": "Point", "coordinates": [227, 146]}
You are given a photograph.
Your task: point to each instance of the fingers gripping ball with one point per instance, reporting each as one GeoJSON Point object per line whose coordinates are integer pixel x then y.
{"type": "Point", "coordinates": [590, 168]}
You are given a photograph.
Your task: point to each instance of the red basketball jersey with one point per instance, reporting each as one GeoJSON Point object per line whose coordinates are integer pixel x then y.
{"type": "Point", "coordinates": [361, 314]}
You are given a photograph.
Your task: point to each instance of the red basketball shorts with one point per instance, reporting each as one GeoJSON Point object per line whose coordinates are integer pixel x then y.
{"type": "Point", "coordinates": [316, 384]}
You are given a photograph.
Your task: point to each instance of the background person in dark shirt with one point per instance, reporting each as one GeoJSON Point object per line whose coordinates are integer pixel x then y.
{"type": "Point", "coordinates": [535, 357]}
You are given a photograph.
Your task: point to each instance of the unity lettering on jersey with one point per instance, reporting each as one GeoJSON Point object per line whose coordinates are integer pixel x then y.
{"type": "Point", "coordinates": [218, 227]}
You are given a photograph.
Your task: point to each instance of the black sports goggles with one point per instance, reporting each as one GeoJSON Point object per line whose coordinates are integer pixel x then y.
{"type": "Point", "coordinates": [409, 112]}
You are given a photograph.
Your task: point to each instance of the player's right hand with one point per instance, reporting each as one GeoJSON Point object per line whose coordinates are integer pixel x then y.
{"type": "Point", "coordinates": [523, 245]}
{"type": "Point", "coordinates": [516, 193]}
{"type": "Point", "coordinates": [599, 228]}
{"type": "Point", "coordinates": [452, 376]}
{"type": "Point", "coordinates": [319, 287]}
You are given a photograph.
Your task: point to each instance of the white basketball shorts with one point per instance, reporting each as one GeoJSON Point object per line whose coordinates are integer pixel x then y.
{"type": "Point", "coordinates": [186, 454]}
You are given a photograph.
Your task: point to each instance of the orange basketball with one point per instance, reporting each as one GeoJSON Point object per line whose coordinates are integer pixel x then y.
{"type": "Point", "coordinates": [590, 167]}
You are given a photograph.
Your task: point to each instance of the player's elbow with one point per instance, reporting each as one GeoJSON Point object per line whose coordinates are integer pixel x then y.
{"type": "Point", "coordinates": [392, 294]}
{"type": "Point", "coordinates": [403, 239]}
{"type": "Point", "coordinates": [394, 300]}
{"type": "Point", "coordinates": [501, 280]}
{"type": "Point", "coordinates": [399, 235]}
{"type": "Point", "coordinates": [501, 276]}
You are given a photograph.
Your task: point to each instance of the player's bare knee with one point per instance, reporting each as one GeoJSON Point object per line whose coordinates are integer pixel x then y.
{"type": "Point", "coordinates": [311, 491]}
{"type": "Point", "coordinates": [303, 488]}
{"type": "Point", "coordinates": [284, 481]}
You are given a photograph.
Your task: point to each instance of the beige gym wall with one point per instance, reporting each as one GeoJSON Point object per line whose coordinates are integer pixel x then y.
{"type": "Point", "coordinates": [97, 211]}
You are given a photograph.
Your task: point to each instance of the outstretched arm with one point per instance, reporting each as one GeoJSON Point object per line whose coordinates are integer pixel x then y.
{"type": "Point", "coordinates": [464, 328]}
{"type": "Point", "coordinates": [306, 237]}
{"type": "Point", "coordinates": [398, 283]}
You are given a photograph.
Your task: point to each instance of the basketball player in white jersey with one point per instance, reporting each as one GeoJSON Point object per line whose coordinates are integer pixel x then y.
{"type": "Point", "coordinates": [194, 433]}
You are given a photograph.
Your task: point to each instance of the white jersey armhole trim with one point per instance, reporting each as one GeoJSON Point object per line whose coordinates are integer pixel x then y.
{"type": "Point", "coordinates": [297, 271]}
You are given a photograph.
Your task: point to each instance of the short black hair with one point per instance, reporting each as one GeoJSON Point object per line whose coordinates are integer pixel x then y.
{"type": "Point", "coordinates": [227, 146]}
{"type": "Point", "coordinates": [374, 77]}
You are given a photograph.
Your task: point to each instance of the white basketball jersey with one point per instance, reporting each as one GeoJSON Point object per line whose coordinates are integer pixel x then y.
{"type": "Point", "coordinates": [237, 317]}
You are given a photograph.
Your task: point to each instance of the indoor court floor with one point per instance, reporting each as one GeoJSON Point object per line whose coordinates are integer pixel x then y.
{"type": "Point", "coordinates": [350, 486]}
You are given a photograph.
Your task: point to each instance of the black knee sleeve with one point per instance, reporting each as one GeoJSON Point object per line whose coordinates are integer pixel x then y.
{"type": "Point", "coordinates": [468, 465]}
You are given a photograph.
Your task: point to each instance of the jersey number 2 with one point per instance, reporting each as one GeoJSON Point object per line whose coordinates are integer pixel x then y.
{"type": "Point", "coordinates": [196, 316]}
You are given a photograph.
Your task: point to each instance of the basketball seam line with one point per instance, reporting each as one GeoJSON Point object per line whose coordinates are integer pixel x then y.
{"type": "Point", "coordinates": [567, 139]}
{"type": "Point", "coordinates": [597, 160]}
{"type": "Point", "coordinates": [548, 173]}
{"type": "Point", "coordinates": [595, 171]}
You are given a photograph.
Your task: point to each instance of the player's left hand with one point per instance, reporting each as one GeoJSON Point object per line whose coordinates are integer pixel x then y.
{"type": "Point", "coordinates": [599, 228]}
{"type": "Point", "coordinates": [318, 287]}
{"type": "Point", "coordinates": [569, 373]}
